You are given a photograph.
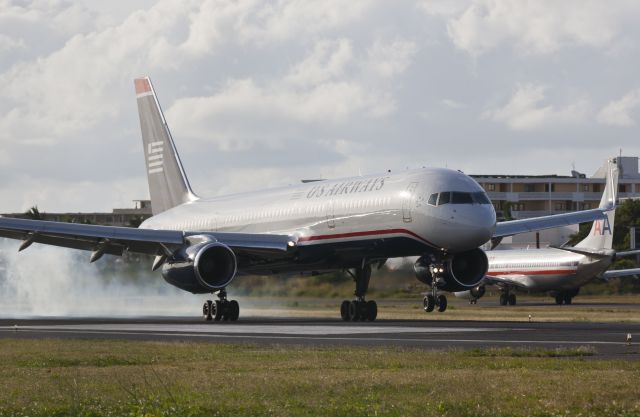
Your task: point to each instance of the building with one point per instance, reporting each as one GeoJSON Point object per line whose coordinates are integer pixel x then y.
{"type": "Point", "coordinates": [128, 217]}
{"type": "Point", "coordinates": [526, 196]}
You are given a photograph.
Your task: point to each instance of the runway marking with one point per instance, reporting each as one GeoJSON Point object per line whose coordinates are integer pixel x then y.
{"type": "Point", "coordinates": [308, 330]}
{"type": "Point", "coordinates": [326, 338]}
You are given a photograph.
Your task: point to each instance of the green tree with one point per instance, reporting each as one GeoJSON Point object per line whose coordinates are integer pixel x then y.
{"type": "Point", "coordinates": [34, 214]}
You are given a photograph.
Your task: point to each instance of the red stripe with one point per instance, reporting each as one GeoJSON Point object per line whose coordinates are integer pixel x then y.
{"type": "Point", "coordinates": [365, 233]}
{"type": "Point", "coordinates": [142, 85]}
{"type": "Point", "coordinates": [538, 272]}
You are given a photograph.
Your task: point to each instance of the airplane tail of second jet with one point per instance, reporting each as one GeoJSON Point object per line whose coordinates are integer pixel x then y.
{"type": "Point", "coordinates": [168, 183]}
{"type": "Point", "coordinates": [601, 234]}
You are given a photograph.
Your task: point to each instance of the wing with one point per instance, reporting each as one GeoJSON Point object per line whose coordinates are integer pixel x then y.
{"type": "Point", "coordinates": [514, 227]}
{"type": "Point", "coordinates": [620, 273]}
{"type": "Point", "coordinates": [116, 240]}
{"type": "Point", "coordinates": [628, 253]}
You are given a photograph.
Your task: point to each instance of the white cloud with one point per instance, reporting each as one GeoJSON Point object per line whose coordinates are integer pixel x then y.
{"type": "Point", "coordinates": [527, 110]}
{"type": "Point", "coordinates": [327, 61]}
{"type": "Point", "coordinates": [328, 86]}
{"type": "Point", "coordinates": [452, 104]}
{"type": "Point", "coordinates": [539, 27]}
{"type": "Point", "coordinates": [391, 59]}
{"type": "Point", "coordinates": [618, 112]}
{"type": "Point", "coordinates": [7, 43]}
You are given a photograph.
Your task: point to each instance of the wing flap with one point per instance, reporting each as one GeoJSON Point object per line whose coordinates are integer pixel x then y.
{"type": "Point", "coordinates": [514, 227]}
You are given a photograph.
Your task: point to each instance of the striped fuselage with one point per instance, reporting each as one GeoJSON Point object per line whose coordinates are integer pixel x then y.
{"type": "Point", "coordinates": [539, 270]}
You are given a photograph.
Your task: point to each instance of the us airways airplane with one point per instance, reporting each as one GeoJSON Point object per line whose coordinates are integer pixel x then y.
{"type": "Point", "coordinates": [350, 224]}
{"type": "Point", "coordinates": [559, 271]}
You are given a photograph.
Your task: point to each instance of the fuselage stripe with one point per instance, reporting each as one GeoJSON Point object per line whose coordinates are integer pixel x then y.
{"type": "Point", "coordinates": [365, 233]}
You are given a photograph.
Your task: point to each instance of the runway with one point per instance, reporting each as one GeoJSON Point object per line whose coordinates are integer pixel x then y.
{"type": "Point", "coordinates": [609, 340]}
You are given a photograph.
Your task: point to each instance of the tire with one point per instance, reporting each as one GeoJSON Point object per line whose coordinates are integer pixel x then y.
{"type": "Point", "coordinates": [353, 311]}
{"type": "Point", "coordinates": [217, 313]}
{"type": "Point", "coordinates": [233, 310]}
{"type": "Point", "coordinates": [559, 299]}
{"type": "Point", "coordinates": [567, 298]}
{"type": "Point", "coordinates": [206, 310]}
{"type": "Point", "coordinates": [429, 303]}
{"type": "Point", "coordinates": [344, 310]}
{"type": "Point", "coordinates": [372, 310]}
{"type": "Point", "coordinates": [503, 299]}
{"type": "Point", "coordinates": [442, 303]}
{"type": "Point", "coordinates": [511, 299]}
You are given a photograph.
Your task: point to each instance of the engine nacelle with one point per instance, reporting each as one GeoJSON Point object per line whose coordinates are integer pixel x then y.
{"type": "Point", "coordinates": [462, 271]}
{"type": "Point", "coordinates": [201, 268]}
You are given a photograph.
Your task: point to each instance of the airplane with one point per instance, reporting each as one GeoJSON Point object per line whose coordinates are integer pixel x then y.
{"type": "Point", "coordinates": [560, 271]}
{"type": "Point", "coordinates": [349, 224]}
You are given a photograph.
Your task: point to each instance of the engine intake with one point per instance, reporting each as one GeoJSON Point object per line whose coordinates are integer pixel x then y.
{"type": "Point", "coordinates": [462, 271]}
{"type": "Point", "coordinates": [201, 268]}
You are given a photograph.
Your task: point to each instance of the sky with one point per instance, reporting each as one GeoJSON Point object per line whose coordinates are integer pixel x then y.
{"type": "Point", "coordinates": [265, 93]}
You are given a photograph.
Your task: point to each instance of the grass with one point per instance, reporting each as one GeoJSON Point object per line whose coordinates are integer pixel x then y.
{"type": "Point", "coordinates": [113, 378]}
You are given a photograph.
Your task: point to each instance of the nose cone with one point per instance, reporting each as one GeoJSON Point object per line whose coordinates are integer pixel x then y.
{"type": "Point", "coordinates": [465, 227]}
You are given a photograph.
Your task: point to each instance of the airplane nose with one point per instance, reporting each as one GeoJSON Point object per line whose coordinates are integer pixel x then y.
{"type": "Point", "coordinates": [477, 224]}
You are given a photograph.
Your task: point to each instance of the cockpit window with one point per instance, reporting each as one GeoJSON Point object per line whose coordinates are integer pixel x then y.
{"type": "Point", "coordinates": [461, 198]}
{"type": "Point", "coordinates": [480, 198]}
{"type": "Point", "coordinates": [445, 198]}
{"type": "Point", "coordinates": [458, 197]}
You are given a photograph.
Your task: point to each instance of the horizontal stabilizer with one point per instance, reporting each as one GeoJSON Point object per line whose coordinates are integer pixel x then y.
{"type": "Point", "coordinates": [620, 273]}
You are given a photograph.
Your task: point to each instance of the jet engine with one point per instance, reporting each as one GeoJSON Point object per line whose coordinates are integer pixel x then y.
{"type": "Point", "coordinates": [201, 268]}
{"type": "Point", "coordinates": [461, 271]}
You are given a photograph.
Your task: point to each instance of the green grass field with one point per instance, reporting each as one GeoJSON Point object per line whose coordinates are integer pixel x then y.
{"type": "Point", "coordinates": [118, 378]}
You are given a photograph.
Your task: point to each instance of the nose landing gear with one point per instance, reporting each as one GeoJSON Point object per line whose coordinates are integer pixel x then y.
{"type": "Point", "coordinates": [433, 300]}
{"type": "Point", "coordinates": [359, 309]}
{"type": "Point", "coordinates": [221, 309]}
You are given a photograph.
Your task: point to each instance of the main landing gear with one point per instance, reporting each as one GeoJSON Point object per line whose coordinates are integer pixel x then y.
{"type": "Point", "coordinates": [566, 297]}
{"type": "Point", "coordinates": [433, 300]}
{"type": "Point", "coordinates": [221, 309]}
{"type": "Point", "coordinates": [507, 298]}
{"type": "Point", "coordinates": [359, 309]}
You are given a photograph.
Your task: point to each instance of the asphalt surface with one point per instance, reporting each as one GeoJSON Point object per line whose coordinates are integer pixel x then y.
{"type": "Point", "coordinates": [609, 340]}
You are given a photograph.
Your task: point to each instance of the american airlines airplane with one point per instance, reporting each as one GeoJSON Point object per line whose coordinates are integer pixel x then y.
{"type": "Point", "coordinates": [559, 271]}
{"type": "Point", "coordinates": [350, 224]}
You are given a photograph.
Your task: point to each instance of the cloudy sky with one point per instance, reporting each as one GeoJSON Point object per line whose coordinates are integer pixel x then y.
{"type": "Point", "coordinates": [261, 93]}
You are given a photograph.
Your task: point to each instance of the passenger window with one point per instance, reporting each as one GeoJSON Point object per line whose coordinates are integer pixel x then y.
{"type": "Point", "coordinates": [433, 199]}
{"type": "Point", "coordinates": [444, 198]}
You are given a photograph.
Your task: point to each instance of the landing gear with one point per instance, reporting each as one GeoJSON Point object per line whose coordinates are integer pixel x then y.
{"type": "Point", "coordinates": [507, 298]}
{"type": "Point", "coordinates": [221, 309]}
{"type": "Point", "coordinates": [566, 297]}
{"type": "Point", "coordinates": [433, 300]}
{"type": "Point", "coordinates": [359, 309]}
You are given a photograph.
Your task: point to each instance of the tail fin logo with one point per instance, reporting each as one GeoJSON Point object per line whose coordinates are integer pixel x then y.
{"type": "Point", "coordinates": [601, 226]}
{"type": "Point", "coordinates": [155, 157]}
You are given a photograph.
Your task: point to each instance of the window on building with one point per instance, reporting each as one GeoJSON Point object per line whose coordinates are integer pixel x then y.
{"type": "Point", "coordinates": [490, 187]}
{"type": "Point", "coordinates": [585, 188]}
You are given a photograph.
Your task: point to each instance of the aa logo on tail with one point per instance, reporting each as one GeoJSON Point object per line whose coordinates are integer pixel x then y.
{"type": "Point", "coordinates": [602, 226]}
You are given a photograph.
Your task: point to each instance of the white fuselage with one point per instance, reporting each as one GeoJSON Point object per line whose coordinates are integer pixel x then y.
{"type": "Point", "coordinates": [540, 270]}
{"type": "Point", "coordinates": [383, 208]}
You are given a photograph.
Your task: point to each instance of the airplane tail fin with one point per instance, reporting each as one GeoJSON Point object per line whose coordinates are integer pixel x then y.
{"type": "Point", "coordinates": [601, 234]}
{"type": "Point", "coordinates": [168, 183]}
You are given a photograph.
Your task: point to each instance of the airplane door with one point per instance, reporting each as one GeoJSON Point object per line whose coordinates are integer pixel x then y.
{"type": "Point", "coordinates": [408, 200]}
{"type": "Point", "coordinates": [331, 217]}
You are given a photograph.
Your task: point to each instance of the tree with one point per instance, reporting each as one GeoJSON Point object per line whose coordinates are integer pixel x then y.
{"type": "Point", "coordinates": [34, 214]}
